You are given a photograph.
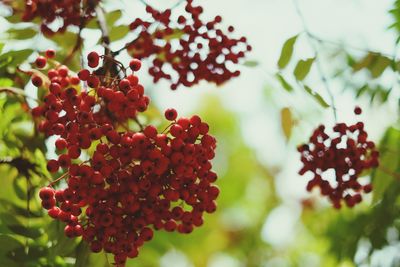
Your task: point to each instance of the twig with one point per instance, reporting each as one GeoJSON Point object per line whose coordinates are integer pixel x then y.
{"type": "Point", "coordinates": [78, 44]}
{"type": "Point", "coordinates": [389, 172]}
{"type": "Point", "coordinates": [349, 46]}
{"type": "Point", "coordinates": [59, 178]}
{"type": "Point", "coordinates": [16, 91]}
{"type": "Point", "coordinates": [138, 123]}
{"type": "Point", "coordinates": [318, 63]}
{"type": "Point", "coordinates": [105, 37]}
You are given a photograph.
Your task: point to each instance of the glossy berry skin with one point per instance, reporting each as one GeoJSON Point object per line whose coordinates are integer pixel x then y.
{"type": "Point", "coordinates": [348, 153]}
{"type": "Point", "coordinates": [41, 62]}
{"type": "Point", "coordinates": [357, 110]}
{"type": "Point", "coordinates": [170, 114]}
{"type": "Point", "coordinates": [93, 59]}
{"type": "Point", "coordinates": [50, 53]}
{"type": "Point", "coordinates": [37, 81]}
{"type": "Point", "coordinates": [135, 64]}
{"type": "Point", "coordinates": [134, 181]}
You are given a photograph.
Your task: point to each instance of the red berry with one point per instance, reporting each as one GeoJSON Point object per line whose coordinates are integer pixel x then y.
{"type": "Point", "coordinates": [37, 80]}
{"type": "Point", "coordinates": [40, 62]}
{"type": "Point", "coordinates": [46, 193]}
{"type": "Point", "coordinates": [50, 53]}
{"type": "Point", "coordinates": [170, 114]}
{"type": "Point", "coordinates": [61, 143]}
{"type": "Point", "coordinates": [357, 110]}
{"type": "Point", "coordinates": [93, 59]}
{"type": "Point", "coordinates": [53, 166]}
{"type": "Point", "coordinates": [135, 64]}
{"type": "Point", "coordinates": [84, 74]}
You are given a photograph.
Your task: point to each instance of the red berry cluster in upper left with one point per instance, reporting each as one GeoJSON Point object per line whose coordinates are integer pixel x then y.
{"type": "Point", "coordinates": [131, 181]}
{"type": "Point", "coordinates": [71, 12]}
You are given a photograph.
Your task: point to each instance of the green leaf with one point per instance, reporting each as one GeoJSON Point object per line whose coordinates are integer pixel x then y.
{"type": "Point", "coordinates": [21, 34]}
{"type": "Point", "coordinates": [389, 158]}
{"type": "Point", "coordinates": [379, 66]}
{"type": "Point", "coordinates": [66, 40]}
{"type": "Point", "coordinates": [364, 62]}
{"type": "Point", "coordinates": [21, 255]}
{"type": "Point", "coordinates": [251, 63]}
{"type": "Point", "coordinates": [118, 32]}
{"type": "Point", "coordinates": [316, 96]}
{"type": "Point", "coordinates": [14, 58]}
{"type": "Point", "coordinates": [111, 18]}
{"type": "Point", "coordinates": [284, 83]}
{"type": "Point", "coordinates": [287, 52]}
{"type": "Point", "coordinates": [303, 67]}
{"type": "Point", "coordinates": [362, 90]}
{"type": "Point", "coordinates": [1, 47]}
{"type": "Point", "coordinates": [6, 82]}
{"type": "Point", "coordinates": [18, 228]}
{"type": "Point", "coordinates": [287, 122]}
{"type": "Point", "coordinates": [19, 191]}
{"type": "Point", "coordinates": [10, 207]}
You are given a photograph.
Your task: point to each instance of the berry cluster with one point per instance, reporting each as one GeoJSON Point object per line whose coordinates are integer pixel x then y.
{"type": "Point", "coordinates": [71, 12]}
{"type": "Point", "coordinates": [133, 181]}
{"type": "Point", "coordinates": [187, 49]}
{"type": "Point", "coordinates": [348, 152]}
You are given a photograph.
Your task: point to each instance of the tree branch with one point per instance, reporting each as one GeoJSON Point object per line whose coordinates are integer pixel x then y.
{"type": "Point", "coordinates": [105, 36]}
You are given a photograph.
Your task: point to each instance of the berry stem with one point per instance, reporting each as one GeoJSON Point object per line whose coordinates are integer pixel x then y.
{"type": "Point", "coordinates": [59, 179]}
{"type": "Point", "coordinates": [138, 123]}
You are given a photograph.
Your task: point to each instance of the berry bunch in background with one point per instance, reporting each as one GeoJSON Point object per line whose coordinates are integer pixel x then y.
{"type": "Point", "coordinates": [348, 153]}
{"type": "Point", "coordinates": [186, 50]}
{"type": "Point", "coordinates": [71, 12]}
{"type": "Point", "coordinates": [121, 184]}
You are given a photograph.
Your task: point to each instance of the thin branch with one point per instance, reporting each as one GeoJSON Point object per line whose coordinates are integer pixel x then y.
{"type": "Point", "coordinates": [389, 172]}
{"type": "Point", "coordinates": [116, 52]}
{"type": "Point", "coordinates": [105, 36]}
{"type": "Point", "coordinates": [349, 46]}
{"type": "Point", "coordinates": [138, 123]}
{"type": "Point", "coordinates": [318, 63]}
{"type": "Point", "coordinates": [78, 43]}
{"type": "Point", "coordinates": [16, 91]}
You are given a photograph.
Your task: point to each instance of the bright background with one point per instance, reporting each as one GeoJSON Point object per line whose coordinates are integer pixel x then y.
{"type": "Point", "coordinates": [262, 219]}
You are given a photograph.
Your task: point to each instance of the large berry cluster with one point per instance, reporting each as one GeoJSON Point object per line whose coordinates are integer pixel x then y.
{"type": "Point", "coordinates": [71, 12]}
{"type": "Point", "coordinates": [187, 49]}
{"type": "Point", "coordinates": [132, 181]}
{"type": "Point", "coordinates": [348, 152]}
